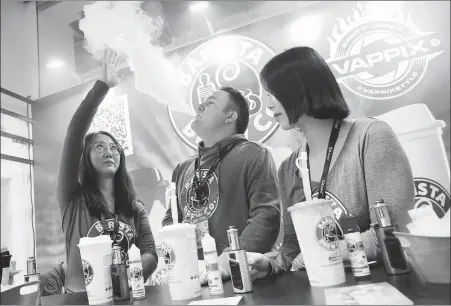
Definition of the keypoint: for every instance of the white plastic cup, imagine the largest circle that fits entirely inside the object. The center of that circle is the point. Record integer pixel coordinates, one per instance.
(96, 263)
(420, 136)
(178, 244)
(316, 231)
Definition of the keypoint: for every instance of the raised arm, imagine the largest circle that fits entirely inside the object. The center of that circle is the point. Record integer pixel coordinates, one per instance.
(263, 224)
(73, 143)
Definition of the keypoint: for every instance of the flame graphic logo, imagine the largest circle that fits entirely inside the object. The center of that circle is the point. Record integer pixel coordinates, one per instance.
(380, 58)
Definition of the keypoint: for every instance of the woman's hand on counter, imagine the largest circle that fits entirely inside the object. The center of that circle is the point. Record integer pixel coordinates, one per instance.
(258, 265)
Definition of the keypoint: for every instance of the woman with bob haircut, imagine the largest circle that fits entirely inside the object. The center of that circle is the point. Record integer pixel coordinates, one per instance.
(94, 191)
(366, 161)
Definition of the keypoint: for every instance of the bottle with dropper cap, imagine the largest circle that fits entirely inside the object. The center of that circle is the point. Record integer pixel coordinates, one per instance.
(211, 259)
(136, 273)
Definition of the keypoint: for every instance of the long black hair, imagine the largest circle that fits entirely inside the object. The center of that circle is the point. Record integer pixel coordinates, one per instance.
(124, 192)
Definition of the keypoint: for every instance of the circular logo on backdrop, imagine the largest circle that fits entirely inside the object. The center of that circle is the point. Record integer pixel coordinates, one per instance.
(326, 233)
(380, 57)
(194, 210)
(233, 61)
(168, 254)
(431, 193)
(88, 271)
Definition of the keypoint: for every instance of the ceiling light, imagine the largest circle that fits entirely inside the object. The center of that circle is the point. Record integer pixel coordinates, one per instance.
(55, 64)
(198, 6)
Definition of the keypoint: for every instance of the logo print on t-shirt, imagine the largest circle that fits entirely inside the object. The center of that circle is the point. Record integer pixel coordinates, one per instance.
(125, 237)
(339, 209)
(196, 211)
(431, 193)
(88, 271)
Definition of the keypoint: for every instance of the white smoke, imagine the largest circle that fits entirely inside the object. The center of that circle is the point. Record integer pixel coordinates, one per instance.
(125, 27)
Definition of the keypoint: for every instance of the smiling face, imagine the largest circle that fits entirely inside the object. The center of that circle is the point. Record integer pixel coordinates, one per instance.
(104, 155)
(211, 115)
(279, 113)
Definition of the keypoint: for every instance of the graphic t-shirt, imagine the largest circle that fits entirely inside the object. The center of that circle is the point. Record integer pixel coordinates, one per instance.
(241, 192)
(371, 166)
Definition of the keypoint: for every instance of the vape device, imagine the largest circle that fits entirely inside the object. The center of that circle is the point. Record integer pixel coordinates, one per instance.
(241, 279)
(393, 255)
(119, 277)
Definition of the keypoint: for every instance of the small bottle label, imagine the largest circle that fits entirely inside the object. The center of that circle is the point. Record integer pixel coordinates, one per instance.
(215, 282)
(357, 255)
(137, 280)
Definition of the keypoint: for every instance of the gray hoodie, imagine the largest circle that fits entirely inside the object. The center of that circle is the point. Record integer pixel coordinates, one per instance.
(243, 192)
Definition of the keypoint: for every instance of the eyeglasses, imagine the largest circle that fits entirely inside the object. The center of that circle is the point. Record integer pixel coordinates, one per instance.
(100, 147)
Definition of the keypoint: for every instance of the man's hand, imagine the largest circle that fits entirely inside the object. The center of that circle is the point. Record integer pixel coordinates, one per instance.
(109, 73)
(258, 265)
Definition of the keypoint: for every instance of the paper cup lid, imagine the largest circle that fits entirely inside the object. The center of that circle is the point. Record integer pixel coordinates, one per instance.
(419, 118)
(94, 240)
(176, 227)
(302, 205)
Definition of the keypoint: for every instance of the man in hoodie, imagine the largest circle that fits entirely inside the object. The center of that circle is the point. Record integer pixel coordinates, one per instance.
(231, 181)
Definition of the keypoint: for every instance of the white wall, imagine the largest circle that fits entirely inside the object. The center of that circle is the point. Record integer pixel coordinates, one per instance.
(19, 48)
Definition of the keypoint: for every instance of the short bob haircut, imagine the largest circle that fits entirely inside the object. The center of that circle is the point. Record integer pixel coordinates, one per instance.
(300, 79)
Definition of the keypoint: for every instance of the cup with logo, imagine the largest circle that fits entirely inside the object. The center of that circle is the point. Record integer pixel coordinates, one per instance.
(178, 244)
(317, 235)
(95, 256)
(421, 139)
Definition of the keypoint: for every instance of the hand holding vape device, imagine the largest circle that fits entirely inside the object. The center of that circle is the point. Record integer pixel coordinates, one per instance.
(392, 253)
(241, 278)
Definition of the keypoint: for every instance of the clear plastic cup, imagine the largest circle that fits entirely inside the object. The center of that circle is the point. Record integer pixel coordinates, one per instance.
(316, 231)
(95, 256)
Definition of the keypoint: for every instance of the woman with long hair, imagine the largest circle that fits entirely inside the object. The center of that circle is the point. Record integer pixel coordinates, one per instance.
(94, 191)
(353, 162)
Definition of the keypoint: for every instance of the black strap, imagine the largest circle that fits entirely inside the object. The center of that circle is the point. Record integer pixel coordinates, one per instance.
(116, 225)
(201, 182)
(330, 150)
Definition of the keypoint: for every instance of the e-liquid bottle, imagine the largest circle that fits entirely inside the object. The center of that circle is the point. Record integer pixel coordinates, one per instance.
(356, 249)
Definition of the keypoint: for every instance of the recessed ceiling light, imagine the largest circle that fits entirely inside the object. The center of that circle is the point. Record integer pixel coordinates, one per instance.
(55, 64)
(198, 6)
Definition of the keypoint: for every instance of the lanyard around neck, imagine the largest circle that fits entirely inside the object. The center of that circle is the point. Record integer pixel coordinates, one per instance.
(330, 150)
(116, 225)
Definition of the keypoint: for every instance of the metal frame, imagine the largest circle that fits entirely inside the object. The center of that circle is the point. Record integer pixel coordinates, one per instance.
(18, 138)
(17, 159)
(14, 95)
(16, 115)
